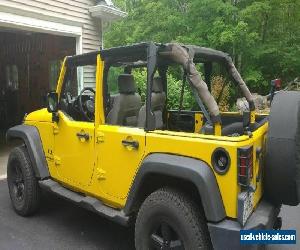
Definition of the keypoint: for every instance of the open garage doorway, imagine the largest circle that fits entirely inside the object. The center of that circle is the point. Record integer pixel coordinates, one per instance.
(29, 68)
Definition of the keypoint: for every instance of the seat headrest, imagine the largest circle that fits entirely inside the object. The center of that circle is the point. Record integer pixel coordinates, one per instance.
(126, 84)
(157, 85)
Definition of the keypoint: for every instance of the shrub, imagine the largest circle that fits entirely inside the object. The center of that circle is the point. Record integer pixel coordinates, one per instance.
(174, 91)
(219, 86)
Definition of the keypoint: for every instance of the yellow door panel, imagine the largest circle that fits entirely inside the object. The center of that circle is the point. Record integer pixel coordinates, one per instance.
(119, 152)
(74, 151)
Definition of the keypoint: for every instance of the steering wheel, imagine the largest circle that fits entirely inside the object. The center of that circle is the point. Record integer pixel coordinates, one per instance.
(87, 108)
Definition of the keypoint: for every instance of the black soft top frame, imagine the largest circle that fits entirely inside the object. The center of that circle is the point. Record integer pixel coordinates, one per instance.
(147, 54)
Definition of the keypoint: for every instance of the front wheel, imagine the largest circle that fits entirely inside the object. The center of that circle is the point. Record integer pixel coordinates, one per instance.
(22, 184)
(169, 219)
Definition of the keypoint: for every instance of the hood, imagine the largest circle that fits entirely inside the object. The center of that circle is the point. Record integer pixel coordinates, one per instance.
(41, 115)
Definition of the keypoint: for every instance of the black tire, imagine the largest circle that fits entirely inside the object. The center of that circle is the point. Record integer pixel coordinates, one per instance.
(23, 186)
(282, 163)
(171, 215)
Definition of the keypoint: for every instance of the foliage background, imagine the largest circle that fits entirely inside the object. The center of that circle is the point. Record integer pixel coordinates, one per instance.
(262, 36)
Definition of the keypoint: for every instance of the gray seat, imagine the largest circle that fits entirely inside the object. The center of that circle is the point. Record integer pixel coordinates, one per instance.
(158, 100)
(126, 104)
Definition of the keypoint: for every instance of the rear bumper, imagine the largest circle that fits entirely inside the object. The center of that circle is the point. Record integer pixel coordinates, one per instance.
(226, 234)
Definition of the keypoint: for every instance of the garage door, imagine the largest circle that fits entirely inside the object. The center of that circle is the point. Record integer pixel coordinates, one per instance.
(29, 67)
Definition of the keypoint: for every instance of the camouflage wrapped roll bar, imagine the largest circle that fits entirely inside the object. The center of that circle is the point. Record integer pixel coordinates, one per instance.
(179, 54)
(187, 56)
(201, 53)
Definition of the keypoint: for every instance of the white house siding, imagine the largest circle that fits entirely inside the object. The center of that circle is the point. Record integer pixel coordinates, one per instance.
(71, 12)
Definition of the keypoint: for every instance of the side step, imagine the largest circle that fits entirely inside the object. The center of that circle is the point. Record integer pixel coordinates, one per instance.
(86, 202)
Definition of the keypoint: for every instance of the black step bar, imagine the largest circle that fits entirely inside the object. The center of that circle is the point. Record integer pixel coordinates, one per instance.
(87, 202)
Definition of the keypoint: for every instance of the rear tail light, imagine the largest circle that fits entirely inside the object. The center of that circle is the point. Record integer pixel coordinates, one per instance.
(245, 165)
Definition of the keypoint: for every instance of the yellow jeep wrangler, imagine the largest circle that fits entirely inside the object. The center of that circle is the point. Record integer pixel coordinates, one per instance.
(187, 179)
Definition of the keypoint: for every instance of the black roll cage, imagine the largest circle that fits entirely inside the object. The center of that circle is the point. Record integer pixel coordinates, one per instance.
(147, 54)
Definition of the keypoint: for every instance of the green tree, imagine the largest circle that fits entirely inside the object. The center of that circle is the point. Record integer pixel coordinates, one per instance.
(262, 36)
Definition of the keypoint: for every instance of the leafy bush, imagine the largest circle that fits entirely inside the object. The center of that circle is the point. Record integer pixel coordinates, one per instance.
(174, 91)
(221, 90)
(140, 77)
(261, 36)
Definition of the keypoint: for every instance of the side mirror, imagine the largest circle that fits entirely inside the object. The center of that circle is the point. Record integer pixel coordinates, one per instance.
(52, 102)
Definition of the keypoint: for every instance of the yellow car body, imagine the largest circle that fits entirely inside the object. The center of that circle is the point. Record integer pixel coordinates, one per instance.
(101, 167)
(185, 178)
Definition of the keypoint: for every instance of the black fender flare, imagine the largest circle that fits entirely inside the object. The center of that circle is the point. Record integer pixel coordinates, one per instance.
(31, 137)
(188, 169)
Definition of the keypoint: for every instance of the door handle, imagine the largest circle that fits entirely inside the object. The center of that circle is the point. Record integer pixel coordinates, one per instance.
(133, 144)
(83, 136)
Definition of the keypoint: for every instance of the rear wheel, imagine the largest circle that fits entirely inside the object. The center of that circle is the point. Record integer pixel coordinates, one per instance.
(282, 169)
(168, 219)
(22, 184)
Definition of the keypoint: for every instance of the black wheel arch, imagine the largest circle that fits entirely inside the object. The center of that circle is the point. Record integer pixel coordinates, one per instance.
(32, 140)
(193, 172)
